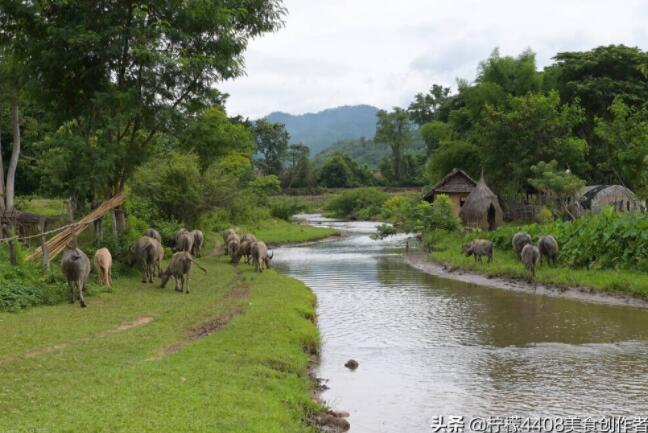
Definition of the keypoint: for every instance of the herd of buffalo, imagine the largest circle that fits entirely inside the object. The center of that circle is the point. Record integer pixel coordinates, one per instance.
(148, 252)
(529, 254)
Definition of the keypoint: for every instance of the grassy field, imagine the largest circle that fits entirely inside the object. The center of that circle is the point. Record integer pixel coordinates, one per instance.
(448, 252)
(277, 231)
(232, 356)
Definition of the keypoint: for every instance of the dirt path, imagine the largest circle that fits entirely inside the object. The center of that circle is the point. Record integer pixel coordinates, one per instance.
(136, 323)
(425, 264)
(235, 300)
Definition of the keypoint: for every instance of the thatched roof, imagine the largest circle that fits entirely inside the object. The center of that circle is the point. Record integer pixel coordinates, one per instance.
(457, 181)
(476, 208)
(596, 197)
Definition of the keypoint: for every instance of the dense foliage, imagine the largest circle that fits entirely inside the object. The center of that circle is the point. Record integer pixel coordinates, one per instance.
(360, 203)
(607, 240)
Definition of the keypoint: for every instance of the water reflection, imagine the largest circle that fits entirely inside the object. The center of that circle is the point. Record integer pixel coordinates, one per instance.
(429, 346)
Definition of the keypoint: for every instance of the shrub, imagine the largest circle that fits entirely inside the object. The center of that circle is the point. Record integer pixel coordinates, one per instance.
(361, 203)
(607, 240)
(285, 208)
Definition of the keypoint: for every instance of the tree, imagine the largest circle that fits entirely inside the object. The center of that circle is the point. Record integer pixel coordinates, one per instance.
(624, 139)
(453, 154)
(517, 76)
(340, 171)
(300, 172)
(211, 135)
(434, 133)
(124, 72)
(395, 129)
(559, 185)
(425, 106)
(271, 142)
(534, 128)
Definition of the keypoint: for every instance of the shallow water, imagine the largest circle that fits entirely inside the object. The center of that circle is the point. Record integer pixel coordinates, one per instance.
(433, 347)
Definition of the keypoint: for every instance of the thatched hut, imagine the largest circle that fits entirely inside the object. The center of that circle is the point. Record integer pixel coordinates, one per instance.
(596, 197)
(457, 185)
(481, 208)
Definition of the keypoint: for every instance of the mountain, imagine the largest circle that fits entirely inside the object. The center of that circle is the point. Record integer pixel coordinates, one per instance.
(363, 151)
(320, 130)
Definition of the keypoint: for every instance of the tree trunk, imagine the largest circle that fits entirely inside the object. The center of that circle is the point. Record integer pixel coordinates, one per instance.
(9, 231)
(15, 154)
(98, 225)
(2, 180)
(113, 221)
(397, 164)
(121, 219)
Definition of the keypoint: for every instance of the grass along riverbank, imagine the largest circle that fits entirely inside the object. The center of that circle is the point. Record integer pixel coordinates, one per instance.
(232, 356)
(447, 251)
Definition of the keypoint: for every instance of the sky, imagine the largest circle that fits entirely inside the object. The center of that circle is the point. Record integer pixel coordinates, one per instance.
(382, 52)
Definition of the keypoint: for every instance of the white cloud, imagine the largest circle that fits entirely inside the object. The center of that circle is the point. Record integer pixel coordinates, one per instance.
(382, 52)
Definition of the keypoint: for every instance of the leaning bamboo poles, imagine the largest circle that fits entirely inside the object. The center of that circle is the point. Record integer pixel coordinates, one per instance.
(58, 243)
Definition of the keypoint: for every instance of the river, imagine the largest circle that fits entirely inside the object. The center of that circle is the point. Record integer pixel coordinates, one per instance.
(435, 347)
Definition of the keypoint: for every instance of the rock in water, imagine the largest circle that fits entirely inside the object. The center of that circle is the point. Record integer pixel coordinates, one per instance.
(351, 364)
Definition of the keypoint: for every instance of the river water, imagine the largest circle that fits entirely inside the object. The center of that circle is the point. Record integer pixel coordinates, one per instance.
(431, 347)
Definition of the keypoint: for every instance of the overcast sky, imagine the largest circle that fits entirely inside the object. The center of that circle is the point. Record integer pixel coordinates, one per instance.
(382, 52)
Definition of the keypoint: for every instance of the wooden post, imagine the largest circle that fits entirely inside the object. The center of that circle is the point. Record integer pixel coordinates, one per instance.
(42, 226)
(10, 231)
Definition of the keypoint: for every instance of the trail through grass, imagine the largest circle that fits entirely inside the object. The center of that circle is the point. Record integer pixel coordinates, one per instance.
(232, 356)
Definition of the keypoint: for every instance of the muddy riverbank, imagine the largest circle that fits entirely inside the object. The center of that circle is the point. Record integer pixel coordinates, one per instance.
(425, 264)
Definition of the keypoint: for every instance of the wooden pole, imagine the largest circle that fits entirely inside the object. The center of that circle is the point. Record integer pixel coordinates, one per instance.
(43, 228)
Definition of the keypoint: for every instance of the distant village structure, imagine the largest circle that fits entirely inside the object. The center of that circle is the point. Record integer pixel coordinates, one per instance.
(457, 185)
(596, 197)
(481, 208)
(473, 202)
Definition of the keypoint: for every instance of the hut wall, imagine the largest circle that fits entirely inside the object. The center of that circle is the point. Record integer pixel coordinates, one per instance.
(457, 199)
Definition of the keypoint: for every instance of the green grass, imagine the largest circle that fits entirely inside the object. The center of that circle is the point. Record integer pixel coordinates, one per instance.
(448, 252)
(43, 206)
(277, 231)
(67, 369)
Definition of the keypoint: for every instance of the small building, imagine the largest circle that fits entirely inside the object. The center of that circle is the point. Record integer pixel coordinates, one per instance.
(457, 185)
(482, 208)
(596, 197)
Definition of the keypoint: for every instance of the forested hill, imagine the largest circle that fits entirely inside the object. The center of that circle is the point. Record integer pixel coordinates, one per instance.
(320, 130)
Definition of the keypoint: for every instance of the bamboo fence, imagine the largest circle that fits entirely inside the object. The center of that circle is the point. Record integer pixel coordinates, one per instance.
(58, 243)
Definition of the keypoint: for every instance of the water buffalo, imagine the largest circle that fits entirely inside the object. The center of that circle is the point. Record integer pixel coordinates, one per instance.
(148, 252)
(249, 237)
(520, 239)
(246, 250)
(180, 269)
(76, 268)
(103, 266)
(548, 248)
(260, 256)
(226, 234)
(530, 257)
(184, 242)
(152, 233)
(234, 248)
(479, 248)
(199, 241)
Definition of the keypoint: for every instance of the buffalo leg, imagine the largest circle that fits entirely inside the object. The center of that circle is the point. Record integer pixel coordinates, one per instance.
(81, 286)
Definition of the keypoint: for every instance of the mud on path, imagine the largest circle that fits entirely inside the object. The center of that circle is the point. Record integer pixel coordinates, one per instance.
(234, 304)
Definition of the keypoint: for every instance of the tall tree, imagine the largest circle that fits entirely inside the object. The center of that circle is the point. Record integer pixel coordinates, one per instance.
(271, 142)
(119, 73)
(624, 139)
(426, 105)
(535, 128)
(395, 129)
(211, 135)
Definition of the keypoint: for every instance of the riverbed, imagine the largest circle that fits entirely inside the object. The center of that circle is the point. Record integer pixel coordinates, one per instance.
(430, 347)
